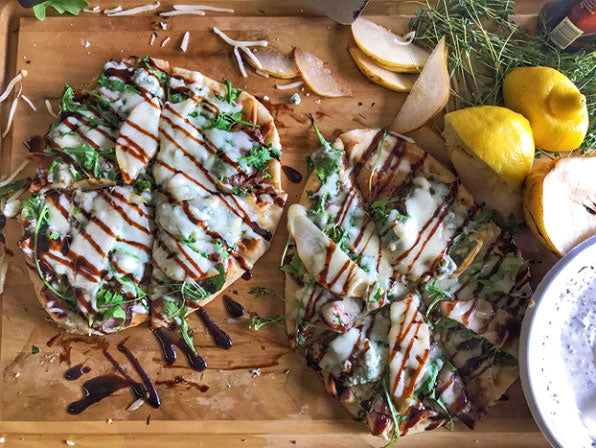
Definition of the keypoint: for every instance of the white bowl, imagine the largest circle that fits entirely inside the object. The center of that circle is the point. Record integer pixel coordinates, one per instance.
(551, 374)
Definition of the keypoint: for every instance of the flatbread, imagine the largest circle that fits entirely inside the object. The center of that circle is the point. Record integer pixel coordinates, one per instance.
(107, 220)
(439, 335)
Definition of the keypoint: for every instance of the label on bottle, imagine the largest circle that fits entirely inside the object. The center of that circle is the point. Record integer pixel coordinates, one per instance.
(565, 33)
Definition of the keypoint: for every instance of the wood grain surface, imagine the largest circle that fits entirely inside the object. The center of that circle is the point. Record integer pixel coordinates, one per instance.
(284, 406)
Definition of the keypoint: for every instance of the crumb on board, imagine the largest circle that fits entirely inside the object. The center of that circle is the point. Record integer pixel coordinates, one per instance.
(255, 372)
(69, 442)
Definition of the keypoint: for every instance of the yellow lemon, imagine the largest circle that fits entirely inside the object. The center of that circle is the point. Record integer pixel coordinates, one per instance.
(499, 137)
(555, 107)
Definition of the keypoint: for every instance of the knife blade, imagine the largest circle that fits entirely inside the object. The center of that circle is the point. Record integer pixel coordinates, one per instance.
(342, 11)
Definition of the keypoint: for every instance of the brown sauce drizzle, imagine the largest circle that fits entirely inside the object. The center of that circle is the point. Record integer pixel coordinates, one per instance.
(181, 380)
(75, 372)
(97, 389)
(293, 174)
(168, 351)
(220, 337)
(235, 309)
(247, 275)
(152, 396)
(37, 143)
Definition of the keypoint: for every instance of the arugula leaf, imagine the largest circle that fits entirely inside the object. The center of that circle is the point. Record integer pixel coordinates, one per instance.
(178, 97)
(259, 157)
(318, 203)
(219, 247)
(226, 120)
(427, 386)
(294, 267)
(380, 214)
(144, 182)
(397, 419)
(218, 280)
(34, 349)
(184, 330)
(51, 234)
(115, 84)
(261, 291)
(163, 78)
(325, 167)
(435, 295)
(239, 192)
(257, 322)
(31, 207)
(232, 94)
(61, 6)
(67, 102)
(88, 159)
(14, 186)
(339, 236)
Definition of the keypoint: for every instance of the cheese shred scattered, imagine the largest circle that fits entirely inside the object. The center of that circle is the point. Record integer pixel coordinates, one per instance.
(292, 85)
(133, 11)
(251, 56)
(29, 102)
(165, 42)
(184, 43)
(260, 73)
(13, 108)
(240, 62)
(10, 178)
(404, 137)
(94, 10)
(152, 39)
(51, 109)
(192, 12)
(202, 7)
(112, 10)
(11, 85)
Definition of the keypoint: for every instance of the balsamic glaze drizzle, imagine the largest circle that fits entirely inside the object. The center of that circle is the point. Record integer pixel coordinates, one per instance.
(220, 337)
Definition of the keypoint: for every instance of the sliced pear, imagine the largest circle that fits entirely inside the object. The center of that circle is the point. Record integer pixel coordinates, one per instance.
(318, 78)
(432, 142)
(560, 202)
(380, 44)
(429, 94)
(485, 185)
(274, 63)
(401, 82)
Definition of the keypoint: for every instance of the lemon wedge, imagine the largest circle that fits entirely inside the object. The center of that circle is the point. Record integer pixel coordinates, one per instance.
(556, 109)
(492, 150)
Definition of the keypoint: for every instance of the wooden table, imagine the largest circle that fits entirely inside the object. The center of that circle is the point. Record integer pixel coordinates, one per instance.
(278, 408)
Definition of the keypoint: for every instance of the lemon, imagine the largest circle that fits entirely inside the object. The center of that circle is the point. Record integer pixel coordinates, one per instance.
(554, 106)
(499, 137)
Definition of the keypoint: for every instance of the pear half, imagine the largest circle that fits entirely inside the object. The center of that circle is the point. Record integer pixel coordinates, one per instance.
(560, 202)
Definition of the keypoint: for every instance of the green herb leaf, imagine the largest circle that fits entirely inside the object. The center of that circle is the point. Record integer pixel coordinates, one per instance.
(256, 322)
(261, 291)
(34, 349)
(232, 94)
(115, 84)
(435, 295)
(61, 6)
(258, 157)
(380, 214)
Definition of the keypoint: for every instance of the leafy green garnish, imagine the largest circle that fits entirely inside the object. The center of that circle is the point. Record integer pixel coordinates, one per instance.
(67, 104)
(259, 157)
(221, 249)
(435, 295)
(34, 349)
(294, 267)
(380, 214)
(339, 236)
(318, 203)
(61, 6)
(432, 371)
(261, 291)
(115, 84)
(144, 182)
(232, 93)
(226, 120)
(161, 76)
(397, 419)
(31, 207)
(239, 192)
(89, 159)
(178, 97)
(256, 322)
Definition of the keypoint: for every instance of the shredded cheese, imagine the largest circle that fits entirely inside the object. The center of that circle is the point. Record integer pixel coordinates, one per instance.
(133, 11)
(11, 85)
(153, 37)
(12, 205)
(184, 43)
(163, 25)
(404, 137)
(203, 7)
(239, 43)
(10, 178)
(113, 10)
(165, 42)
(193, 12)
(406, 39)
(292, 85)
(29, 102)
(3, 269)
(251, 56)
(95, 9)
(51, 109)
(260, 73)
(136, 404)
(240, 62)
(13, 108)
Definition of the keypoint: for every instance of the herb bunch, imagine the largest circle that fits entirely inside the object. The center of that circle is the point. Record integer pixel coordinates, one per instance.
(486, 44)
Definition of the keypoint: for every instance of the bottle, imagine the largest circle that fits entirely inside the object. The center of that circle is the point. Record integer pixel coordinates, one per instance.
(570, 23)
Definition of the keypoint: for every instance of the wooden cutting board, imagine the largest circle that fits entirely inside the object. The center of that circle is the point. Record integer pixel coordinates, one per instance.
(226, 405)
